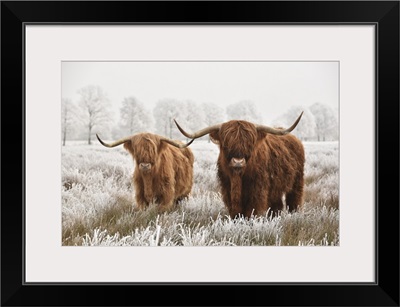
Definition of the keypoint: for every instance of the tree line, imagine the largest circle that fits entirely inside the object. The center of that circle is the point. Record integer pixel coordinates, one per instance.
(92, 113)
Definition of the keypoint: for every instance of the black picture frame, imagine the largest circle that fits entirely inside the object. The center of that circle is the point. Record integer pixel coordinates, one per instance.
(383, 14)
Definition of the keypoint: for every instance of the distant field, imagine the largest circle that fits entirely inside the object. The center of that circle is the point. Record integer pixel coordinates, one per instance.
(98, 205)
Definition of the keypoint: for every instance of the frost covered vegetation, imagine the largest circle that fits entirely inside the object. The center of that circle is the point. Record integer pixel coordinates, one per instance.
(98, 204)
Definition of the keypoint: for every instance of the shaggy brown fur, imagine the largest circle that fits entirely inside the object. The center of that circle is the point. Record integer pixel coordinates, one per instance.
(163, 173)
(273, 167)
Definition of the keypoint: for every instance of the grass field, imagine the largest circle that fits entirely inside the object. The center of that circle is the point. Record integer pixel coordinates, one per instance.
(98, 204)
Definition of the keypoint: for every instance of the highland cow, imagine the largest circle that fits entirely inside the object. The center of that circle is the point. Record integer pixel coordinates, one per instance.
(163, 171)
(258, 167)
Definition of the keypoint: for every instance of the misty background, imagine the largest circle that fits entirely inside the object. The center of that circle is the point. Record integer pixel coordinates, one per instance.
(117, 99)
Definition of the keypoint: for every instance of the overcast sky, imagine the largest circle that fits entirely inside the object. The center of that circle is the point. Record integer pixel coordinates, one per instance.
(273, 86)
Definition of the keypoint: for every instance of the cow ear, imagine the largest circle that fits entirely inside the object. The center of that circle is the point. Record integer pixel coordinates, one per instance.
(128, 146)
(162, 146)
(214, 140)
(261, 134)
(214, 137)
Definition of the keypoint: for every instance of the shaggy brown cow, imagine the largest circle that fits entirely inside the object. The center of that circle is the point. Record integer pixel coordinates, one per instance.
(163, 171)
(257, 166)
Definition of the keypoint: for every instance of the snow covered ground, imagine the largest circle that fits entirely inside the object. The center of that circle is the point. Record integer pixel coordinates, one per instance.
(98, 203)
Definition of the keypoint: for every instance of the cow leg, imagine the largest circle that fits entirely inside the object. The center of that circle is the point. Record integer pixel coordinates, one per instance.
(235, 196)
(142, 187)
(249, 211)
(233, 210)
(167, 200)
(276, 206)
(255, 200)
(226, 198)
(294, 198)
(141, 201)
(225, 185)
(182, 197)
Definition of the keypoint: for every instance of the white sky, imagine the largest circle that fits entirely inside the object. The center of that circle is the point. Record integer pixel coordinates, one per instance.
(272, 86)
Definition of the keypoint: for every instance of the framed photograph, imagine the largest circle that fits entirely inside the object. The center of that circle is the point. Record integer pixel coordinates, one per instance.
(241, 153)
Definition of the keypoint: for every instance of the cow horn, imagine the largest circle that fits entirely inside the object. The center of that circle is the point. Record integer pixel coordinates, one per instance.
(116, 143)
(199, 133)
(174, 143)
(279, 131)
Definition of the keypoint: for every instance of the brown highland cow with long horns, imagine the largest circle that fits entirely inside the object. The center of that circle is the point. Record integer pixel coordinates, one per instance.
(257, 166)
(163, 171)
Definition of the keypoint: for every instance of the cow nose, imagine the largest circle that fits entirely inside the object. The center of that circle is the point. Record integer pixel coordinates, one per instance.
(144, 166)
(238, 162)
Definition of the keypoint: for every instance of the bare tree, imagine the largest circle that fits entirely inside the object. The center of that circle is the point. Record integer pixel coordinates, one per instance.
(193, 115)
(68, 118)
(95, 109)
(326, 121)
(165, 112)
(213, 114)
(243, 110)
(134, 117)
(305, 130)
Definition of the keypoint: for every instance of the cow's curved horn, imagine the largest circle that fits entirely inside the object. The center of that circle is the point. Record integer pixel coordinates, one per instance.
(116, 143)
(174, 143)
(199, 133)
(279, 131)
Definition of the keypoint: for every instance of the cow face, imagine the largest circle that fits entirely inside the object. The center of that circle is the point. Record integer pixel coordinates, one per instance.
(237, 140)
(145, 150)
